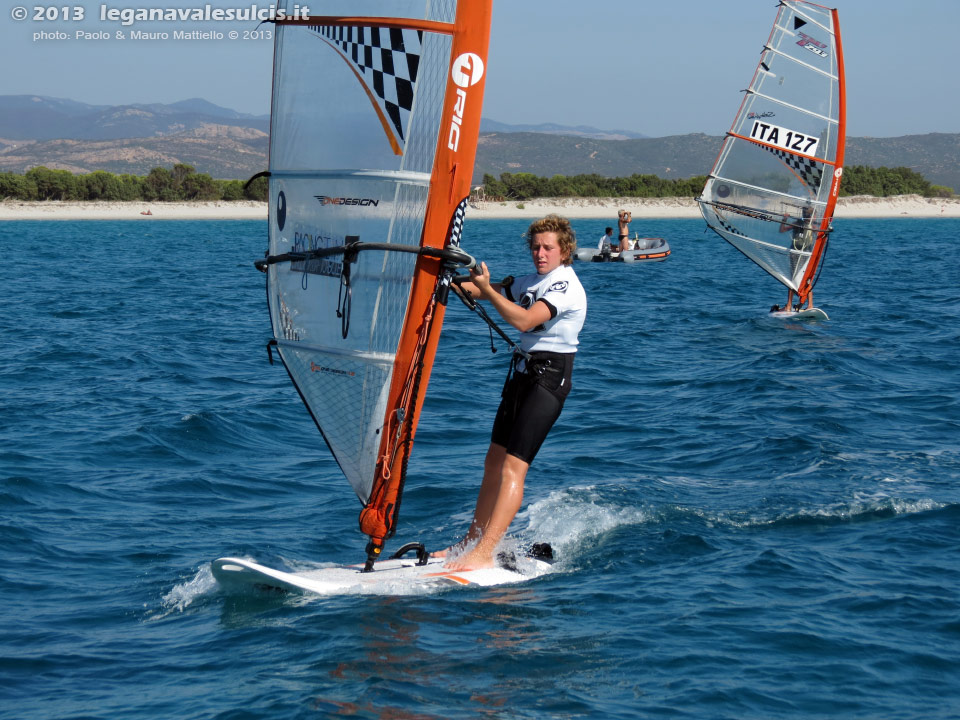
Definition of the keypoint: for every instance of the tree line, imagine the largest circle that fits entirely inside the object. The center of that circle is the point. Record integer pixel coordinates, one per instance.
(180, 183)
(884, 182)
(526, 186)
(184, 183)
(857, 180)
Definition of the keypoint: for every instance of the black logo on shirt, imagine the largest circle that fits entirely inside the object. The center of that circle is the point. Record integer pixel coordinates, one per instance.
(559, 286)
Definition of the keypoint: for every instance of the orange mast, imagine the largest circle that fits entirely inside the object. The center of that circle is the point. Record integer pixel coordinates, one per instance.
(449, 189)
(820, 246)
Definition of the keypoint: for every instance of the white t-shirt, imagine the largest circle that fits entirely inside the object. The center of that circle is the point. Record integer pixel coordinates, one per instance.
(564, 295)
(604, 240)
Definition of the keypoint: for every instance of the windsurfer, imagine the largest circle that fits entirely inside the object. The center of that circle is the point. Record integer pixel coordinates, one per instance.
(623, 221)
(802, 241)
(548, 308)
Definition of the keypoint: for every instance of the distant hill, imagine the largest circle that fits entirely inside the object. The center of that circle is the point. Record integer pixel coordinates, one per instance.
(69, 135)
(677, 156)
(936, 156)
(223, 151)
(65, 134)
(493, 126)
(34, 117)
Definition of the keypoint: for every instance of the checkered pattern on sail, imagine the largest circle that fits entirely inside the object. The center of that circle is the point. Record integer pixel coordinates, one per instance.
(808, 170)
(388, 60)
(456, 229)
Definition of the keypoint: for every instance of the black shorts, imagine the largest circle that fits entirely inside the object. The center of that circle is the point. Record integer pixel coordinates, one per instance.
(532, 401)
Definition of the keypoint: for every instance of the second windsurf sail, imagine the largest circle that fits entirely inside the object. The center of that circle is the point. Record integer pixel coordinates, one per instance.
(773, 188)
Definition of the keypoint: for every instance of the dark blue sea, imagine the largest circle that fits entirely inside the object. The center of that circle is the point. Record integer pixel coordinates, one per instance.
(753, 518)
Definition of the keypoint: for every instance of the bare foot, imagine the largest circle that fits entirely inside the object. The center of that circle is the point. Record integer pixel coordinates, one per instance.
(470, 561)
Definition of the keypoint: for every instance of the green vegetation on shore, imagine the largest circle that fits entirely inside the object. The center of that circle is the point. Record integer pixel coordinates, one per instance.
(857, 180)
(885, 182)
(526, 186)
(182, 183)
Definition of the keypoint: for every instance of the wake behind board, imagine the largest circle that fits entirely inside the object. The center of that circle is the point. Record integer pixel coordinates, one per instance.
(809, 313)
(388, 577)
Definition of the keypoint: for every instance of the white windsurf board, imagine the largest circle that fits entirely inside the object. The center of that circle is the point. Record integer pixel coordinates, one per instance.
(811, 313)
(395, 576)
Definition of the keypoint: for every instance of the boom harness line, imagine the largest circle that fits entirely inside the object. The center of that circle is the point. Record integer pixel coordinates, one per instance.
(467, 299)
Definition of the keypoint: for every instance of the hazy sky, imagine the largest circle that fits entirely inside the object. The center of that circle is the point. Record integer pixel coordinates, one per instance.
(659, 68)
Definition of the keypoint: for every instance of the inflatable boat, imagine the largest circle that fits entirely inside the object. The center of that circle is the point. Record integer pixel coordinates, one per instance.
(642, 250)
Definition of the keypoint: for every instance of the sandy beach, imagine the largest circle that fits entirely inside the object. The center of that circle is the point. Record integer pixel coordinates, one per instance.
(587, 208)
(121, 210)
(606, 208)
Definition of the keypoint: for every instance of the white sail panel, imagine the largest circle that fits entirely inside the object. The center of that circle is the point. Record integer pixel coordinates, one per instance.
(343, 380)
(769, 193)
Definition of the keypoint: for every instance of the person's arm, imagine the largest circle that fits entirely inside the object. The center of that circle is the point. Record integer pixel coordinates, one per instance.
(473, 290)
(784, 225)
(523, 319)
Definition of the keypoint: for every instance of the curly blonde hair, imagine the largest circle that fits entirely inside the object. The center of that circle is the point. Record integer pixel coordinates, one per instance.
(566, 237)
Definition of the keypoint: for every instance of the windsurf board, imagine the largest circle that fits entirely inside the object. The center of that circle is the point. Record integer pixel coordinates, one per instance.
(811, 313)
(394, 576)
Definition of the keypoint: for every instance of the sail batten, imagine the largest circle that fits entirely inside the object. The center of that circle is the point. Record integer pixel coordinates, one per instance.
(813, 68)
(773, 187)
(383, 358)
(805, 111)
(755, 188)
(361, 231)
(405, 176)
(371, 21)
